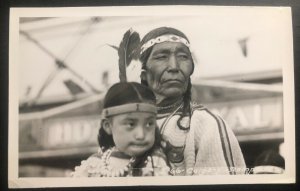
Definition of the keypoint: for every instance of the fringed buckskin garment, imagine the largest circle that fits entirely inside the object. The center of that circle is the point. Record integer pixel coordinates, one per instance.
(206, 147)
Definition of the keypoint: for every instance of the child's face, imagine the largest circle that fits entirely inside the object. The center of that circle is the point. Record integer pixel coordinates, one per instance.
(133, 133)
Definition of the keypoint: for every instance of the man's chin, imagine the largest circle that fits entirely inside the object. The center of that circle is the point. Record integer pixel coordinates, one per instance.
(173, 92)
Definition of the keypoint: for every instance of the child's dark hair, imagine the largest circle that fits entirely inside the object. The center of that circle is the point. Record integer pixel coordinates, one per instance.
(126, 93)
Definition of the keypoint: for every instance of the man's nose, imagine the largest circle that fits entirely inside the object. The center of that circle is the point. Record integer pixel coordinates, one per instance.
(139, 133)
(173, 64)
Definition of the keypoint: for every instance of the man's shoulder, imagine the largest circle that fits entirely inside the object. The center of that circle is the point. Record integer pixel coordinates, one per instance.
(200, 110)
(196, 106)
(202, 115)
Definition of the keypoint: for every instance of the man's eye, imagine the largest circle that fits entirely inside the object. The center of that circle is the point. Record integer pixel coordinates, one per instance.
(160, 57)
(183, 56)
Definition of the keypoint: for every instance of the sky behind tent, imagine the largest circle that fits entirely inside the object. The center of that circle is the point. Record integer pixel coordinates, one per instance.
(218, 39)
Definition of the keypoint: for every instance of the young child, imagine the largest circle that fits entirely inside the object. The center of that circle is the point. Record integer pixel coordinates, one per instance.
(128, 137)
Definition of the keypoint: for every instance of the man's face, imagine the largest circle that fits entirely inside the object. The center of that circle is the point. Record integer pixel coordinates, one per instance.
(168, 69)
(133, 133)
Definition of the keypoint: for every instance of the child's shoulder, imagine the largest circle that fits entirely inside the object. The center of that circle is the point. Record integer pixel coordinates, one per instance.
(87, 167)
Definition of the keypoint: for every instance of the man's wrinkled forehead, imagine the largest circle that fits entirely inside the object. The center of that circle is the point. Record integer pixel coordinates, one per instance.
(170, 47)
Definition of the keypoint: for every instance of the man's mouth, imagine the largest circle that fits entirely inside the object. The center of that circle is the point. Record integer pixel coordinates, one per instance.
(172, 80)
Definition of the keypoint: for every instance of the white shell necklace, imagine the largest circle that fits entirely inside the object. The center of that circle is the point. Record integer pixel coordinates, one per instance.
(107, 170)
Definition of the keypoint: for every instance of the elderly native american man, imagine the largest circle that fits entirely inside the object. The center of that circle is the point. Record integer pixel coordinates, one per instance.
(195, 140)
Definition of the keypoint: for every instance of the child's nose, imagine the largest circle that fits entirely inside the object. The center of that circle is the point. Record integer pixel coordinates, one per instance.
(140, 133)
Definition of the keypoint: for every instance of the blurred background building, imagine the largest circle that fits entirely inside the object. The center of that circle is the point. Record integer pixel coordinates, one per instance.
(67, 64)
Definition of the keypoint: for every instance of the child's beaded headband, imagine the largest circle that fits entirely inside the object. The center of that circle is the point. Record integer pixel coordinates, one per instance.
(164, 38)
(130, 107)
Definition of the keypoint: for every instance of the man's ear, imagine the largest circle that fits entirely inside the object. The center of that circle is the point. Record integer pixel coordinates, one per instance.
(143, 75)
(106, 124)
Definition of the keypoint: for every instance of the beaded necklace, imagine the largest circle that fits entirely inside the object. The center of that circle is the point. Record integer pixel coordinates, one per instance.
(107, 170)
(163, 108)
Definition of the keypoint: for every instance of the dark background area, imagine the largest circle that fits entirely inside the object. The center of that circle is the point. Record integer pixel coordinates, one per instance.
(4, 42)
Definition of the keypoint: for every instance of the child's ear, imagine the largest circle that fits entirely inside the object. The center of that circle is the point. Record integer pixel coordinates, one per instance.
(107, 126)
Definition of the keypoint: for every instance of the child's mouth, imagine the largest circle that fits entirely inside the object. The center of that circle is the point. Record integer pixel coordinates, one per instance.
(139, 145)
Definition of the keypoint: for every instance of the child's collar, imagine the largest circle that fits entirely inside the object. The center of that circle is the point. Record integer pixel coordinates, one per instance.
(119, 154)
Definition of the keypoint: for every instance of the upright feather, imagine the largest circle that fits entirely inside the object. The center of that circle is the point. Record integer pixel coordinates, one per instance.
(127, 51)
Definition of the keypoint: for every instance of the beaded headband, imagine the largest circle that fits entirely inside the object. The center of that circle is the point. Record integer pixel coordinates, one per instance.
(131, 107)
(164, 38)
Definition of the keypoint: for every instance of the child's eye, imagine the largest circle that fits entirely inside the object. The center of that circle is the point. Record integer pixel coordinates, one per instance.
(150, 124)
(129, 124)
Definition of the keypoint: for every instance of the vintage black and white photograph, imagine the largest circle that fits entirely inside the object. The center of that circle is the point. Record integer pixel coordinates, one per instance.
(107, 96)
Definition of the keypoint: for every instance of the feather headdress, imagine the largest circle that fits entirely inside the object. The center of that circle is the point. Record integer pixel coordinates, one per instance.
(128, 51)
